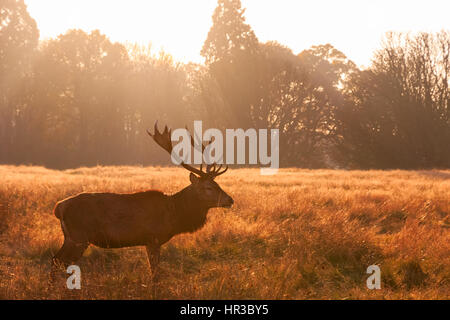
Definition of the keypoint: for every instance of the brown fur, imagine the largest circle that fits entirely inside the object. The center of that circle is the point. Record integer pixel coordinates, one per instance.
(150, 218)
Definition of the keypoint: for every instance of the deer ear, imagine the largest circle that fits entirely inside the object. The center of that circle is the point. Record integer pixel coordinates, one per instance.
(194, 179)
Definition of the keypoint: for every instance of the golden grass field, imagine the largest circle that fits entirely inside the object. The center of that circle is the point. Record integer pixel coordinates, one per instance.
(301, 234)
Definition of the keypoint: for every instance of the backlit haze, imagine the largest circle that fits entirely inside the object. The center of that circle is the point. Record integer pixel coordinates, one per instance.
(180, 27)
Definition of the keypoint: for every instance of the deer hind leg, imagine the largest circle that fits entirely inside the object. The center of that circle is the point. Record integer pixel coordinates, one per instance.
(70, 252)
(72, 249)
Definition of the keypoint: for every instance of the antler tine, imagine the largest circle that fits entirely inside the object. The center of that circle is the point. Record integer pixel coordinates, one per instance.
(223, 171)
(213, 172)
(203, 147)
(155, 130)
(193, 170)
(210, 168)
(196, 137)
(217, 173)
(192, 138)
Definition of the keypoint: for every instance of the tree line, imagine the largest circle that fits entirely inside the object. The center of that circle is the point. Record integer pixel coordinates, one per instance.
(82, 100)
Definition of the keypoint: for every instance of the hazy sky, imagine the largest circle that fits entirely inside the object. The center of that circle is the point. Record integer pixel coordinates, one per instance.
(181, 26)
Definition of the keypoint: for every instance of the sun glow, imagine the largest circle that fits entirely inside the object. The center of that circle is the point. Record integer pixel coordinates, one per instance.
(180, 27)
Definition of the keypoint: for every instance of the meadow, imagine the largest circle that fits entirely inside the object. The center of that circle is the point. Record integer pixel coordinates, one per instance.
(301, 234)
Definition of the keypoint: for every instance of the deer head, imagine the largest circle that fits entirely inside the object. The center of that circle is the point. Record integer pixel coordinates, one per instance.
(208, 192)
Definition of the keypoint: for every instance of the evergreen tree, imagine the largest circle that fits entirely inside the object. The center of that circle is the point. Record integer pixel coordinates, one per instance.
(230, 35)
(231, 52)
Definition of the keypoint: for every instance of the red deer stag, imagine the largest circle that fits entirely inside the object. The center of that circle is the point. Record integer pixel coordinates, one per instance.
(151, 218)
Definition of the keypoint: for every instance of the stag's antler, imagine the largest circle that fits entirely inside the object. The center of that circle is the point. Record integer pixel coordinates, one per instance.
(164, 141)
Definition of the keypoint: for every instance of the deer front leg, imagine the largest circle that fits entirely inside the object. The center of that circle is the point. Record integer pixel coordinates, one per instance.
(153, 252)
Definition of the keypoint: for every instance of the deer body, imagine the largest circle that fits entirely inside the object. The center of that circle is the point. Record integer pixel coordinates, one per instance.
(110, 220)
(151, 218)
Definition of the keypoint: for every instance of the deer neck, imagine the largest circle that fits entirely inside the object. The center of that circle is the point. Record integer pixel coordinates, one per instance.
(190, 212)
